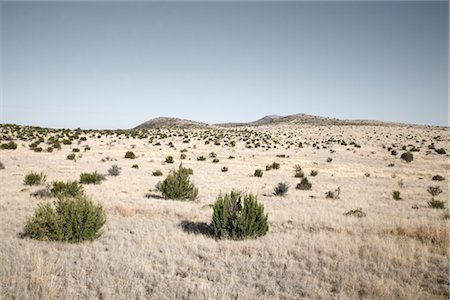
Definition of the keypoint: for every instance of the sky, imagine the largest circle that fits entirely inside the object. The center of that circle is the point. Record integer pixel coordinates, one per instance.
(109, 65)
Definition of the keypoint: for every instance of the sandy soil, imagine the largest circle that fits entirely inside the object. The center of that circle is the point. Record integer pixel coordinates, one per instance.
(156, 248)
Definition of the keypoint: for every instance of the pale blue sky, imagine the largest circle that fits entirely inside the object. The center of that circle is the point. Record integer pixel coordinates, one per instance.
(115, 65)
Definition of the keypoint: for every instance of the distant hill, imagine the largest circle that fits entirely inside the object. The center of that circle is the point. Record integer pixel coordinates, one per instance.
(164, 122)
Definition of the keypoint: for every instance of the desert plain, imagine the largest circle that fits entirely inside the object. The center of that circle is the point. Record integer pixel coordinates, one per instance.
(156, 248)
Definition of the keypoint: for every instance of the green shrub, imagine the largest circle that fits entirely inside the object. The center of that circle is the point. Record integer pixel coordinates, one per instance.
(236, 220)
(177, 185)
(9, 146)
(75, 150)
(73, 219)
(182, 156)
(275, 166)
(407, 156)
(135, 166)
(114, 170)
(157, 173)
(440, 151)
(314, 173)
(224, 169)
(91, 178)
(212, 155)
(434, 190)
(258, 173)
(281, 189)
(215, 160)
(130, 155)
(231, 157)
(37, 149)
(34, 178)
(396, 195)
(304, 184)
(333, 195)
(436, 204)
(438, 178)
(201, 158)
(71, 156)
(50, 149)
(329, 159)
(169, 160)
(69, 188)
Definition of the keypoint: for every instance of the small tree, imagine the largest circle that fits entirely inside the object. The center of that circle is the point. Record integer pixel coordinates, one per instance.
(177, 185)
(236, 220)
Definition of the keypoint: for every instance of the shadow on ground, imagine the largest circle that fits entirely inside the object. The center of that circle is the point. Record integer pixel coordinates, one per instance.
(196, 227)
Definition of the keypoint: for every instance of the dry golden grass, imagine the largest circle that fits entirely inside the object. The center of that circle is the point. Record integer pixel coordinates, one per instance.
(161, 249)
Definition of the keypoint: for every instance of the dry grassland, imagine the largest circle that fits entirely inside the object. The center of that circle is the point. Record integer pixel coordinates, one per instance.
(161, 249)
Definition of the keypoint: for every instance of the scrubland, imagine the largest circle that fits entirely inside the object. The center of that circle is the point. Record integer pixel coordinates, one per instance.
(158, 248)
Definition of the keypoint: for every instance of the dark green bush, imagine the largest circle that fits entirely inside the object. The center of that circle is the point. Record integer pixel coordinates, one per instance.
(275, 166)
(69, 188)
(34, 178)
(314, 173)
(436, 204)
(329, 159)
(50, 149)
(37, 149)
(9, 146)
(304, 184)
(281, 189)
(236, 220)
(407, 156)
(434, 190)
(440, 151)
(72, 219)
(396, 195)
(258, 173)
(135, 166)
(438, 178)
(201, 158)
(182, 156)
(169, 160)
(177, 185)
(130, 155)
(157, 173)
(215, 160)
(71, 156)
(333, 194)
(224, 169)
(75, 150)
(212, 155)
(91, 178)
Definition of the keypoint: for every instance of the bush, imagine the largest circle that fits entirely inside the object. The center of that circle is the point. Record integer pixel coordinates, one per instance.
(135, 166)
(73, 219)
(275, 166)
(440, 151)
(434, 190)
(71, 156)
(69, 188)
(212, 155)
(34, 178)
(215, 160)
(236, 220)
(329, 159)
(407, 156)
(169, 160)
(224, 169)
(75, 150)
(157, 173)
(91, 178)
(298, 171)
(396, 195)
(438, 178)
(38, 149)
(436, 204)
(314, 173)
(281, 189)
(114, 170)
(2, 166)
(258, 173)
(178, 186)
(182, 156)
(130, 155)
(333, 195)
(201, 158)
(49, 149)
(304, 185)
(9, 146)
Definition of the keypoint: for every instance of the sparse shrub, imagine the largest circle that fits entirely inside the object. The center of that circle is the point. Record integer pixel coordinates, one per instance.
(281, 189)
(215, 160)
(434, 190)
(114, 170)
(157, 173)
(231, 157)
(50, 149)
(183, 156)
(9, 146)
(440, 151)
(91, 178)
(433, 203)
(130, 155)
(298, 171)
(329, 159)
(212, 155)
(258, 173)
(201, 158)
(314, 173)
(34, 178)
(438, 178)
(396, 195)
(304, 185)
(177, 185)
(71, 156)
(224, 169)
(72, 219)
(333, 195)
(75, 150)
(268, 167)
(135, 166)
(169, 159)
(275, 165)
(236, 220)
(38, 149)
(356, 213)
(69, 188)
(407, 156)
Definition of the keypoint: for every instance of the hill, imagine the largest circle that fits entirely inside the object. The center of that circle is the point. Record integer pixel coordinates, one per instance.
(165, 122)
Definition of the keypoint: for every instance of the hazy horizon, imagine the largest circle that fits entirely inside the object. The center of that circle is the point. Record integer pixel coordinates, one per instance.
(110, 65)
